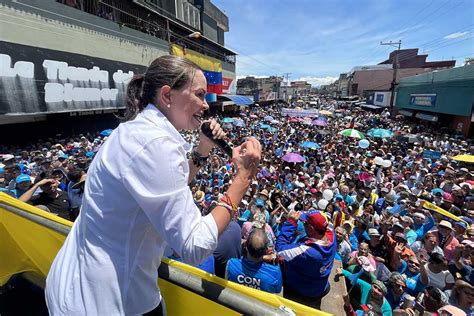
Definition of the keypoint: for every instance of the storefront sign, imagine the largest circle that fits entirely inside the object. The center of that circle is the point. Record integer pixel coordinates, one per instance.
(423, 99)
(226, 84)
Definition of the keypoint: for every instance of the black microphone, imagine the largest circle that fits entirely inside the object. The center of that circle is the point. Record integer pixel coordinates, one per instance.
(206, 130)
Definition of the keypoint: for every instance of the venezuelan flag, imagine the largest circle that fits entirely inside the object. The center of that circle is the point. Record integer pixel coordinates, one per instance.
(211, 67)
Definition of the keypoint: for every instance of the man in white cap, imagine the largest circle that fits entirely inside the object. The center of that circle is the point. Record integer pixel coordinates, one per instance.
(423, 223)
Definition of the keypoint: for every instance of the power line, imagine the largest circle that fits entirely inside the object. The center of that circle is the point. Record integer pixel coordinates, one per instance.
(443, 38)
(453, 43)
(424, 18)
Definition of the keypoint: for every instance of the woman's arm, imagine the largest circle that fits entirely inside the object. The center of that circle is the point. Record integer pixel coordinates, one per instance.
(204, 148)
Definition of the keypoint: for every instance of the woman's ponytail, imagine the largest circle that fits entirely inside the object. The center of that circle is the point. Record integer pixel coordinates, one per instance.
(135, 102)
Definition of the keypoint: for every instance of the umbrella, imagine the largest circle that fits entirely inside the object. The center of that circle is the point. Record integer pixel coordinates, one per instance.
(268, 118)
(264, 126)
(410, 138)
(380, 133)
(253, 116)
(293, 157)
(293, 120)
(239, 123)
(272, 129)
(464, 158)
(319, 122)
(348, 117)
(352, 133)
(324, 112)
(310, 145)
(227, 120)
(275, 122)
(106, 132)
(364, 176)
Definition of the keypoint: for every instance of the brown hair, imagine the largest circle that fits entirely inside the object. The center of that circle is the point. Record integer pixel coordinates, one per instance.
(169, 70)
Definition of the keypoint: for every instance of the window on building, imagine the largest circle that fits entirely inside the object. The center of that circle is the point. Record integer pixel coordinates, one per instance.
(188, 13)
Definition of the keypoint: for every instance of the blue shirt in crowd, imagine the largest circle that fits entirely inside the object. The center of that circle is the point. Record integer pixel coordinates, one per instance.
(257, 275)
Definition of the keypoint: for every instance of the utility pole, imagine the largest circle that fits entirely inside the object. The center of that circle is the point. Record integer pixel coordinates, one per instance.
(395, 68)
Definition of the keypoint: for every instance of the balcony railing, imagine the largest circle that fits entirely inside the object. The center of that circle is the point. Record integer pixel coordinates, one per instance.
(128, 14)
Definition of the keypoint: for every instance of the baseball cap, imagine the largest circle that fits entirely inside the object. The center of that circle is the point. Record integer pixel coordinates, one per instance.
(399, 225)
(381, 286)
(373, 232)
(461, 224)
(22, 178)
(419, 215)
(316, 219)
(390, 198)
(407, 219)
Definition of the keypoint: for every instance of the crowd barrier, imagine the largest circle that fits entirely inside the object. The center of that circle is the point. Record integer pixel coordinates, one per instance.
(30, 239)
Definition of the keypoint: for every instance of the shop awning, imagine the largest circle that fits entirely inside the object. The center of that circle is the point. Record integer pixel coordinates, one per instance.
(237, 99)
(427, 117)
(406, 113)
(370, 106)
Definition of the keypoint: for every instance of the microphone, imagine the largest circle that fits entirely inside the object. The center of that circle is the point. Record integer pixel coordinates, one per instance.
(206, 130)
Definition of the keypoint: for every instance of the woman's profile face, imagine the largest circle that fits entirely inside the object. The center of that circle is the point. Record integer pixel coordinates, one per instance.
(188, 103)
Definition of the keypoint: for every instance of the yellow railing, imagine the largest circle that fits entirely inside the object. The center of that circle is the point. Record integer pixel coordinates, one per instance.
(30, 239)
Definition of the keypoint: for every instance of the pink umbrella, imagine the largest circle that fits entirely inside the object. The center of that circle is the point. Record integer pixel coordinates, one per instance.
(293, 157)
(364, 176)
(319, 122)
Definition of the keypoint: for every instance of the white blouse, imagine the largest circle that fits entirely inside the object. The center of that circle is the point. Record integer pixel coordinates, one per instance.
(136, 202)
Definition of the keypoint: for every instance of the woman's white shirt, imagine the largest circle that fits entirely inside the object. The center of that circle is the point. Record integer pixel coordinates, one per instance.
(136, 202)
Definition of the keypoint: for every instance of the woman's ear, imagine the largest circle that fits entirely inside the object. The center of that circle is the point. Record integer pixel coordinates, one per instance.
(164, 96)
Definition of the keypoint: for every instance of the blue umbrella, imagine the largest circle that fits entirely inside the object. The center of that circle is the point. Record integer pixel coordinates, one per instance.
(264, 126)
(272, 129)
(239, 123)
(380, 133)
(310, 145)
(227, 120)
(106, 132)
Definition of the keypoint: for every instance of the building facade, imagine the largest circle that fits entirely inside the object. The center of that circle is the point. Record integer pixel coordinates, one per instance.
(262, 89)
(445, 97)
(77, 56)
(365, 80)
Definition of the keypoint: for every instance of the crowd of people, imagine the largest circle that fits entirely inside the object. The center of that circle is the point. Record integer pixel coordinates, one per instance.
(373, 207)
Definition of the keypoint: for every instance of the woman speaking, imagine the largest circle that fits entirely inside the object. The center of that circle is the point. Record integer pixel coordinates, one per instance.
(137, 201)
